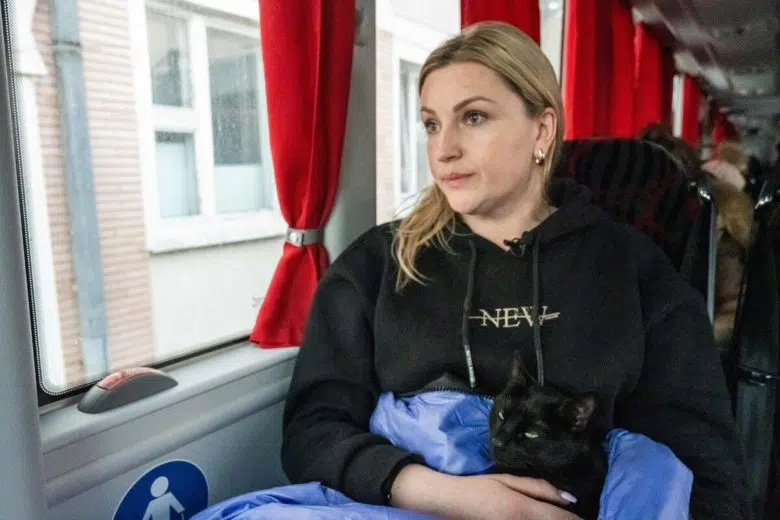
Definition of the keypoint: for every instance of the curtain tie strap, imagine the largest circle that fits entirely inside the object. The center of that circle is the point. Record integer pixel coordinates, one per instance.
(303, 237)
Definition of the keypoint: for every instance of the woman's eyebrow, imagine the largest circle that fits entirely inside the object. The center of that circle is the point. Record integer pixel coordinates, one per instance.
(460, 104)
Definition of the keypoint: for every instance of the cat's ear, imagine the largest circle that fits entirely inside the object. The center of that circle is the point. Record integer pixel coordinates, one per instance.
(520, 376)
(581, 410)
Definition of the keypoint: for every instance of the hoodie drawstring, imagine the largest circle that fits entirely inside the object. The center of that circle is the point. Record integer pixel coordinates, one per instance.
(535, 318)
(467, 312)
(537, 326)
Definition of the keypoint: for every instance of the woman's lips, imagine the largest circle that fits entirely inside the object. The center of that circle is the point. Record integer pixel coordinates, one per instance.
(455, 179)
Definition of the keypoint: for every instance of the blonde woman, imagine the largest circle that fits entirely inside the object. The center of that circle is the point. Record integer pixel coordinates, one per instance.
(497, 257)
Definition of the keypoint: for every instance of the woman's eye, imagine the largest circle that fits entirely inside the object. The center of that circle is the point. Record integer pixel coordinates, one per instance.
(430, 126)
(474, 118)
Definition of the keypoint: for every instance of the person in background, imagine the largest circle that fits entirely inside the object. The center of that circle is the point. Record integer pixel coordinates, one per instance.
(731, 164)
(735, 219)
(661, 134)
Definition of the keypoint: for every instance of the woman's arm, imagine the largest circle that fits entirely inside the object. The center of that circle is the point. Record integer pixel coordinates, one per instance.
(332, 395)
(681, 399)
(488, 497)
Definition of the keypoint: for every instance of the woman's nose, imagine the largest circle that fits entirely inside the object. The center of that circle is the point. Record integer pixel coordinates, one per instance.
(448, 146)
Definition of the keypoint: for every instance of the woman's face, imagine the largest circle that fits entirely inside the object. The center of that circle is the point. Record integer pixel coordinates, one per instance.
(481, 141)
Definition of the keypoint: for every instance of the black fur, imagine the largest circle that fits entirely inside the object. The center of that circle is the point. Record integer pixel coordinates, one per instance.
(542, 432)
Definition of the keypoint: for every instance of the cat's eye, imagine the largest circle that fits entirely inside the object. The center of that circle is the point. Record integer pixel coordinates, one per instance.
(531, 435)
(501, 416)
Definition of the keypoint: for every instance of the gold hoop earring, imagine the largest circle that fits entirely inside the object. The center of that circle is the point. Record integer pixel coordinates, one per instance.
(539, 157)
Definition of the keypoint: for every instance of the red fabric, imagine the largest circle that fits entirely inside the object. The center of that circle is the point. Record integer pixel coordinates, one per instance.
(523, 14)
(307, 59)
(598, 69)
(653, 80)
(667, 86)
(722, 129)
(580, 76)
(622, 103)
(691, 107)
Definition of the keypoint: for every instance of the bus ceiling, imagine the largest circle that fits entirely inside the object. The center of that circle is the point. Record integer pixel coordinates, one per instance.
(732, 47)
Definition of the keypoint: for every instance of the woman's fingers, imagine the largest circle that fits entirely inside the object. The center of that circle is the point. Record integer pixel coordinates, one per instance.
(536, 488)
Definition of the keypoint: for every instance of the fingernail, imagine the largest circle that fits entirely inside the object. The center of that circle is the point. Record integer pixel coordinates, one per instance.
(568, 497)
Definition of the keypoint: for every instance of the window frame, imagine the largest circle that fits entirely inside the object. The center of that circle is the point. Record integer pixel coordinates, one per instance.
(404, 50)
(207, 228)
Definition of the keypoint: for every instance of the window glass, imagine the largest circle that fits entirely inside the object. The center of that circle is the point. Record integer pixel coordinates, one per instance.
(551, 33)
(176, 177)
(414, 164)
(235, 122)
(155, 234)
(169, 59)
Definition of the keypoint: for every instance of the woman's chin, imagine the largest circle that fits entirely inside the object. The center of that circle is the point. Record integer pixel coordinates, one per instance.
(463, 205)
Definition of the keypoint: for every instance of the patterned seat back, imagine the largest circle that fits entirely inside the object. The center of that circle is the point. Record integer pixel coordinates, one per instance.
(641, 184)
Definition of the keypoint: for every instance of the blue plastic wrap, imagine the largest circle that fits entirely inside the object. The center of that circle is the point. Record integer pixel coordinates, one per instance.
(645, 480)
(311, 501)
(448, 429)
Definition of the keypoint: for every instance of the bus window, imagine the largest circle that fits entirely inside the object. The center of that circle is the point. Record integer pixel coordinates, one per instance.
(150, 204)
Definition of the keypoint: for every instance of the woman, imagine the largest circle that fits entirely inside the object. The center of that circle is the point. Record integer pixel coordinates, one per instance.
(455, 288)
(661, 134)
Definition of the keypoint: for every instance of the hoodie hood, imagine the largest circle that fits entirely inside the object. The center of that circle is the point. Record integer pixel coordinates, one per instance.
(575, 211)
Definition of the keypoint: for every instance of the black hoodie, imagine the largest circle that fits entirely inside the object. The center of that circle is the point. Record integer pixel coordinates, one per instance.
(615, 317)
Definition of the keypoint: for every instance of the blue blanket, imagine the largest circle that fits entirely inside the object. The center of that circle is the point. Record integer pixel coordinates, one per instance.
(450, 430)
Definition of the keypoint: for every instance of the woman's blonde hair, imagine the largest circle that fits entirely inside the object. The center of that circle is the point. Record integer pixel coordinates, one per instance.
(520, 62)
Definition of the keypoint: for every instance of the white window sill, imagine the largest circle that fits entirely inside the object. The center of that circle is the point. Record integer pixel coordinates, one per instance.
(178, 234)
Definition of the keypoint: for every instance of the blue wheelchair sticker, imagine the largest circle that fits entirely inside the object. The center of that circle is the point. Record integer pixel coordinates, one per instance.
(174, 490)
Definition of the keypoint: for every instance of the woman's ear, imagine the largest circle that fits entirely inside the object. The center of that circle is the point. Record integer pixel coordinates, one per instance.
(548, 125)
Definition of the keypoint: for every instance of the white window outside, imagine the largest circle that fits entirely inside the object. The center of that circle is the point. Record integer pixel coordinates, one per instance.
(208, 169)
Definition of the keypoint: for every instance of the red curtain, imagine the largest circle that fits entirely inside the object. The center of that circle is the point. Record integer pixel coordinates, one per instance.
(598, 69)
(667, 86)
(523, 14)
(621, 104)
(581, 26)
(691, 108)
(653, 80)
(722, 129)
(307, 58)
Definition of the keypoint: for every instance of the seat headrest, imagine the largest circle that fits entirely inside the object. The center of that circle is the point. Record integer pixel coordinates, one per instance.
(638, 183)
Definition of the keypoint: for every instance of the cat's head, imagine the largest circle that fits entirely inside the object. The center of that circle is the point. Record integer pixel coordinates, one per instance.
(538, 427)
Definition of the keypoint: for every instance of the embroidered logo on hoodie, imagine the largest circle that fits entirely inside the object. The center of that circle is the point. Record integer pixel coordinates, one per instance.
(511, 317)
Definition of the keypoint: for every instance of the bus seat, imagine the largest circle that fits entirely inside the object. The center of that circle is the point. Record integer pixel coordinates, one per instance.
(754, 368)
(639, 183)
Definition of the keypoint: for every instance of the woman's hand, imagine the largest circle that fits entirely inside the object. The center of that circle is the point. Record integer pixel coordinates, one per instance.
(489, 497)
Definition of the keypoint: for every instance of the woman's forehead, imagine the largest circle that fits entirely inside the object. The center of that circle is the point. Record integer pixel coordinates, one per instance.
(449, 85)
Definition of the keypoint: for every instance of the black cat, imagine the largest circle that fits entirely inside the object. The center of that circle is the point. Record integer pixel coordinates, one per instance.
(539, 431)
